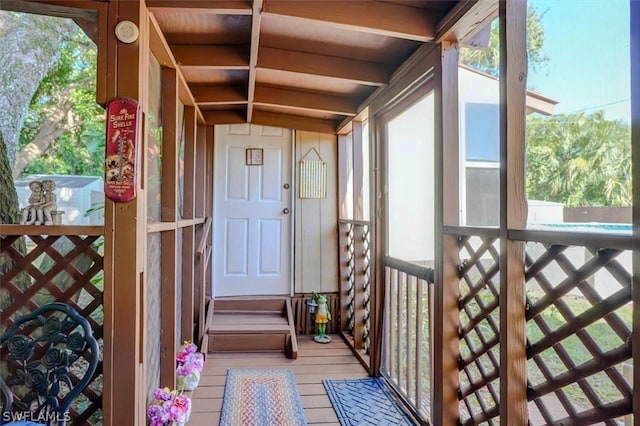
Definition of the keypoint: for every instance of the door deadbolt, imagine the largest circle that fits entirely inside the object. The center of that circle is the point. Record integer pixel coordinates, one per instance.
(285, 211)
(285, 186)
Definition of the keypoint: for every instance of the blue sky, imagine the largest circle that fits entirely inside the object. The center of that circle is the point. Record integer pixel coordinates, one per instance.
(587, 42)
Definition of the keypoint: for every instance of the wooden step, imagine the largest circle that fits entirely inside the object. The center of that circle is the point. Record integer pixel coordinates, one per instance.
(252, 325)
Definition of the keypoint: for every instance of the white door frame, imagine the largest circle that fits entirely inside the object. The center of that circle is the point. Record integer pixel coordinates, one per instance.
(292, 213)
(292, 200)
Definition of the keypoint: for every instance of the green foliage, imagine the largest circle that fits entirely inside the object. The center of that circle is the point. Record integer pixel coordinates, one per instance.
(81, 149)
(579, 160)
(488, 60)
(574, 159)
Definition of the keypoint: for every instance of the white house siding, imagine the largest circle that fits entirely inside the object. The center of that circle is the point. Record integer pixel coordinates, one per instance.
(316, 239)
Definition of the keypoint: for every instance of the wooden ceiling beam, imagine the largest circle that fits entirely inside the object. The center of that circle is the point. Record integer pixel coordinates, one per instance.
(161, 50)
(388, 19)
(231, 116)
(305, 101)
(210, 7)
(465, 20)
(253, 58)
(83, 9)
(366, 73)
(90, 28)
(219, 95)
(225, 57)
(297, 122)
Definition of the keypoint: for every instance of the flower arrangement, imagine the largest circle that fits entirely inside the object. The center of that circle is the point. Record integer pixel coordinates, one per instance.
(190, 363)
(169, 408)
(188, 354)
(172, 407)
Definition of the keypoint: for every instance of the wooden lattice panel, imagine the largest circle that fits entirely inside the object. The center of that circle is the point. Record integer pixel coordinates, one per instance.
(479, 361)
(578, 334)
(366, 284)
(350, 249)
(36, 270)
(355, 277)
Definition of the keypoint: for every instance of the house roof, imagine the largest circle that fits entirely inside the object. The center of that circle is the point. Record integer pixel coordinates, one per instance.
(535, 101)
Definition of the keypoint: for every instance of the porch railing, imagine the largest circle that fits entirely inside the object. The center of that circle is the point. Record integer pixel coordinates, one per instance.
(479, 331)
(578, 312)
(355, 284)
(406, 332)
(66, 265)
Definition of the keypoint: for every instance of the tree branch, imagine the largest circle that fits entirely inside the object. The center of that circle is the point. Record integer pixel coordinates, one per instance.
(52, 127)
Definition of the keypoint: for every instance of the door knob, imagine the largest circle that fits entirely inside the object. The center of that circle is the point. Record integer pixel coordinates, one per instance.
(285, 211)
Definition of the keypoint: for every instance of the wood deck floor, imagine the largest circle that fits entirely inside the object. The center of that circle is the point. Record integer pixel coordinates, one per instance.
(315, 362)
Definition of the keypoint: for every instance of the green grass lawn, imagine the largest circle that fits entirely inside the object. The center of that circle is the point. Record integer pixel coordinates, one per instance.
(599, 331)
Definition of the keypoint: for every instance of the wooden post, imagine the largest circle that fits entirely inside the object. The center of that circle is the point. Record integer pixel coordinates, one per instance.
(345, 164)
(208, 287)
(635, 165)
(169, 340)
(377, 302)
(377, 248)
(345, 153)
(105, 53)
(513, 211)
(124, 396)
(188, 232)
(446, 316)
(358, 171)
(200, 212)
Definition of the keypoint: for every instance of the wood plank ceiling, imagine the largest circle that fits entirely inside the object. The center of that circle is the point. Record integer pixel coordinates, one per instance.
(301, 64)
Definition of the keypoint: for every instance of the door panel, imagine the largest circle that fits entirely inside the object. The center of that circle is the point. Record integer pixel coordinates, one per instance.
(236, 247)
(269, 245)
(271, 176)
(252, 232)
(237, 187)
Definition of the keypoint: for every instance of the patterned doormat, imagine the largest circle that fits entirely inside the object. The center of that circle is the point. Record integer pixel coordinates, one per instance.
(261, 397)
(364, 402)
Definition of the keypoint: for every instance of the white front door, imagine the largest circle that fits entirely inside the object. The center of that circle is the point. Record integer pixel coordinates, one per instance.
(252, 211)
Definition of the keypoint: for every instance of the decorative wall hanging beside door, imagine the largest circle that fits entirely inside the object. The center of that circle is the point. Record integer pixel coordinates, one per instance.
(313, 175)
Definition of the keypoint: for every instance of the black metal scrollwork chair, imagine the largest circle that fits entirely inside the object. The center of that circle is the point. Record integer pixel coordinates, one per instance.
(51, 356)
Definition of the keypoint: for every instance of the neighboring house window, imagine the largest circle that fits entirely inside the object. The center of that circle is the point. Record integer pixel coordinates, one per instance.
(482, 165)
(482, 132)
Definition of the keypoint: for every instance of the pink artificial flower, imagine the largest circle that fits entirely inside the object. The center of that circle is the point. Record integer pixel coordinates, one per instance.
(169, 407)
(198, 359)
(179, 409)
(185, 369)
(153, 413)
(162, 394)
(182, 404)
(185, 352)
(182, 357)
